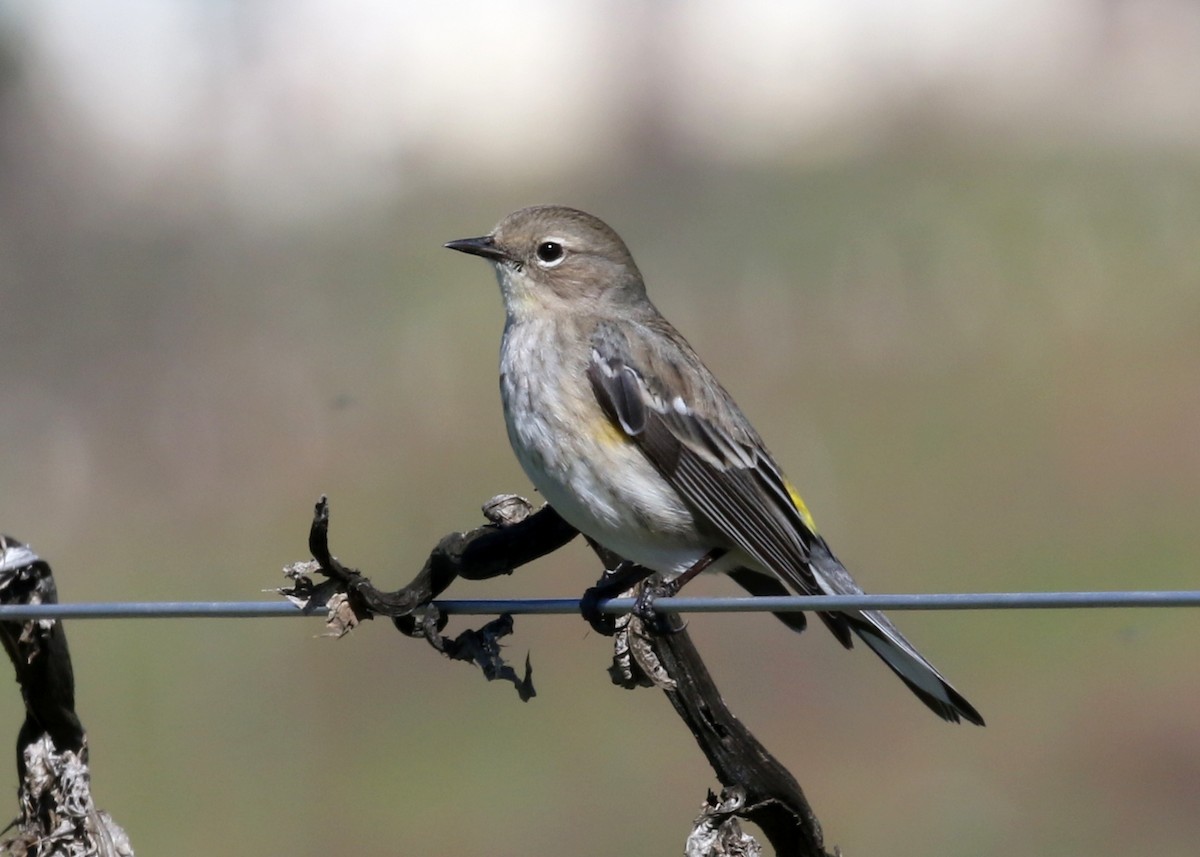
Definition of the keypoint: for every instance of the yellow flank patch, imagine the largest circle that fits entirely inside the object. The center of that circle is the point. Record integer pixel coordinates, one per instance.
(800, 507)
(609, 433)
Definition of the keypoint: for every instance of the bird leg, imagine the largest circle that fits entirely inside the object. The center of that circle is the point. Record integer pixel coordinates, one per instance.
(644, 607)
(620, 580)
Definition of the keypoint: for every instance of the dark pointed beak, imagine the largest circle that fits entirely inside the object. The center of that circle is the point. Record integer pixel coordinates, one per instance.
(485, 247)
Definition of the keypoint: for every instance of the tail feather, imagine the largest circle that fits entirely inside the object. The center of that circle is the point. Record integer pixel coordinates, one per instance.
(877, 631)
(886, 641)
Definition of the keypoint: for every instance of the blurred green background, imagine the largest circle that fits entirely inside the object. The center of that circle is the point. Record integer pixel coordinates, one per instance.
(947, 259)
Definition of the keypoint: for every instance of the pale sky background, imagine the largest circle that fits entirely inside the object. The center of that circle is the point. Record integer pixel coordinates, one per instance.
(296, 104)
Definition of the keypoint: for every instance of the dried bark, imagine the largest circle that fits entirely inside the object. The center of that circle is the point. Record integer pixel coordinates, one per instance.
(57, 815)
(756, 786)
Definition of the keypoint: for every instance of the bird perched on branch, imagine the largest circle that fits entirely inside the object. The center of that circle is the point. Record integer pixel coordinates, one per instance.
(632, 440)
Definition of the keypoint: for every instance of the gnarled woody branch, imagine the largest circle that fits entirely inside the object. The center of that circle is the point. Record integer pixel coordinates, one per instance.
(756, 786)
(57, 815)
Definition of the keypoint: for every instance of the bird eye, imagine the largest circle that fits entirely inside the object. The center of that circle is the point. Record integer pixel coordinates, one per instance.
(550, 253)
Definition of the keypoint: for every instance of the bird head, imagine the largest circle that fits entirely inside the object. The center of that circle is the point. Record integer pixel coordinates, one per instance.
(551, 255)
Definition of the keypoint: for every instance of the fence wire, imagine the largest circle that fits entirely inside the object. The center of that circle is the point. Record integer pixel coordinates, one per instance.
(548, 606)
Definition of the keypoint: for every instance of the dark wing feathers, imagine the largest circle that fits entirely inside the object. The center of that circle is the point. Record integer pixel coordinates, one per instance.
(731, 500)
(706, 450)
(619, 393)
(731, 482)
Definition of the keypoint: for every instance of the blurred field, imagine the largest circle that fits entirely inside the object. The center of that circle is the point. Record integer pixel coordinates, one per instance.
(978, 360)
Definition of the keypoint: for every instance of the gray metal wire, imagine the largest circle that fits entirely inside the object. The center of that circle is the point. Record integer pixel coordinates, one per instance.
(496, 606)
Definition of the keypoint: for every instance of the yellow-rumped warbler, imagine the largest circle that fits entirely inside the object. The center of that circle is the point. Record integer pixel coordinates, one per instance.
(634, 442)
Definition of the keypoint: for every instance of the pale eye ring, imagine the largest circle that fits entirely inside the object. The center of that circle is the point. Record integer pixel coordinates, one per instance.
(550, 253)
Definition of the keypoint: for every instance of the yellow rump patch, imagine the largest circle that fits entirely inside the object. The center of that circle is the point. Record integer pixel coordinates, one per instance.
(800, 507)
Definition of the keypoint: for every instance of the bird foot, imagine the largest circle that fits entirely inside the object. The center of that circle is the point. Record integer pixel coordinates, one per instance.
(652, 620)
(613, 584)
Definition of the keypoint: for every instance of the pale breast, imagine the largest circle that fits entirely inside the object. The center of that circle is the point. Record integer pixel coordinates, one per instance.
(583, 465)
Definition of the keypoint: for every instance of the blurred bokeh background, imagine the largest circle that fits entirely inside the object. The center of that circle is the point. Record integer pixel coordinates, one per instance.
(947, 256)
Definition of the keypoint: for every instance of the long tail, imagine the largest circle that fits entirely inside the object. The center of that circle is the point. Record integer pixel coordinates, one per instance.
(878, 632)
